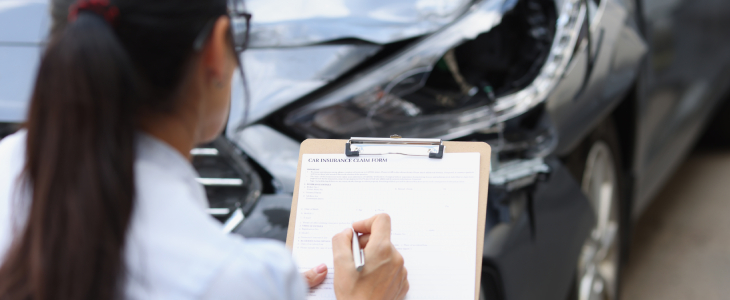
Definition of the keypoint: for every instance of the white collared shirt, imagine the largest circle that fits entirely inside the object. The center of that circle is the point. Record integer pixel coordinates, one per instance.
(174, 249)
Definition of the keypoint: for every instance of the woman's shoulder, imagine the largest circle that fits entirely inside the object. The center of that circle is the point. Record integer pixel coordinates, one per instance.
(184, 253)
(179, 251)
(12, 145)
(12, 155)
(12, 159)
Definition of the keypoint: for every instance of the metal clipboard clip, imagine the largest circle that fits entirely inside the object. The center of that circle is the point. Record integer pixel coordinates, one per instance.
(356, 146)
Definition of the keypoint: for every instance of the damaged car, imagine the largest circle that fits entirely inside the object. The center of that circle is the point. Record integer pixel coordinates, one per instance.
(588, 105)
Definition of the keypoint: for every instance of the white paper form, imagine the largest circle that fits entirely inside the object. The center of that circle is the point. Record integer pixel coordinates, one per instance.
(433, 205)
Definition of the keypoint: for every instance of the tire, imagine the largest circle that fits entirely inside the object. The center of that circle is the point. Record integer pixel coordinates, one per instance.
(717, 134)
(596, 164)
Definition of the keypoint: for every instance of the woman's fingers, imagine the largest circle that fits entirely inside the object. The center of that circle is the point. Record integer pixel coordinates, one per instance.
(404, 286)
(378, 226)
(342, 251)
(403, 290)
(364, 240)
(316, 275)
(384, 275)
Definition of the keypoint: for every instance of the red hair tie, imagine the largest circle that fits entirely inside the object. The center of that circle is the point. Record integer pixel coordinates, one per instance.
(100, 7)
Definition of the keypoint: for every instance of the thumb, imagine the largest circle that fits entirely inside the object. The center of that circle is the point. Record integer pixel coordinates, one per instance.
(316, 275)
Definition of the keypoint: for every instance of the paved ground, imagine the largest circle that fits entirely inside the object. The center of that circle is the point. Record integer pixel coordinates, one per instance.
(681, 245)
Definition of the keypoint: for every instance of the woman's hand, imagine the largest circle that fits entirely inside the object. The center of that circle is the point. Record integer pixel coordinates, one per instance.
(316, 275)
(383, 276)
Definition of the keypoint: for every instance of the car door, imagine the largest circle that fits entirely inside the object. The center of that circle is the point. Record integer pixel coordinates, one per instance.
(682, 79)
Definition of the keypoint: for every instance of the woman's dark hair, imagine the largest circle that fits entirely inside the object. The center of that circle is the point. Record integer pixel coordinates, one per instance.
(93, 80)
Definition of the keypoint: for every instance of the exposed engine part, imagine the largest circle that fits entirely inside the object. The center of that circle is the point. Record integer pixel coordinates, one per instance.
(498, 62)
(517, 174)
(511, 55)
(504, 59)
(450, 59)
(518, 149)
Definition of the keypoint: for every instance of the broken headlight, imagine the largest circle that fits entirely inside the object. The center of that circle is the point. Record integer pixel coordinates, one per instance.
(486, 67)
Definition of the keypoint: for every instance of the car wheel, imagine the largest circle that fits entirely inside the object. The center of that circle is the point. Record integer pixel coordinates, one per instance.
(597, 166)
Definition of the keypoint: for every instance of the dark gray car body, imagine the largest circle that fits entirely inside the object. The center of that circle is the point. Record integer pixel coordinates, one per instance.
(659, 76)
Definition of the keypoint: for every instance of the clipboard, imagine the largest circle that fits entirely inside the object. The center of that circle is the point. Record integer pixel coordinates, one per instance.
(428, 148)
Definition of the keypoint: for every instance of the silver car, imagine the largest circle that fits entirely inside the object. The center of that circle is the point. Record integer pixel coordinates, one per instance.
(588, 105)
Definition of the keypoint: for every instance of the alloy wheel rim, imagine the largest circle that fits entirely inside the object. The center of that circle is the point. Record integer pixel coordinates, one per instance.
(598, 262)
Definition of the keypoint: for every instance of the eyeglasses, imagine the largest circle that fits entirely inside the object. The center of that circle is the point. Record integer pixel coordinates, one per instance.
(240, 21)
(240, 24)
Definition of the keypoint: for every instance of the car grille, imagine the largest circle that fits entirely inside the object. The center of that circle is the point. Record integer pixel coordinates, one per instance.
(231, 184)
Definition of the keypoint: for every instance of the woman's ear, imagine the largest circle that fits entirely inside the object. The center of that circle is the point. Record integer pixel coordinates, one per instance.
(216, 54)
(216, 65)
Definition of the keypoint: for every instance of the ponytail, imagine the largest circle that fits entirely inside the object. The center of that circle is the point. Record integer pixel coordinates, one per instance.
(79, 162)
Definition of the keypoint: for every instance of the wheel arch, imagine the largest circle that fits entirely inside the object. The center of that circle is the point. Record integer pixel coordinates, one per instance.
(625, 122)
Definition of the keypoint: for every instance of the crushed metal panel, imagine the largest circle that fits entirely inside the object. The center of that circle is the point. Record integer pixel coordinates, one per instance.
(288, 23)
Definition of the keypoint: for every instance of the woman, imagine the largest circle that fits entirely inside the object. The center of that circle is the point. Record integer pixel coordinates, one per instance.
(97, 197)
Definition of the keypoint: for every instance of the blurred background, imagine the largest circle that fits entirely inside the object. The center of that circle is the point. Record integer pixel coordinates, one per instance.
(599, 188)
(681, 244)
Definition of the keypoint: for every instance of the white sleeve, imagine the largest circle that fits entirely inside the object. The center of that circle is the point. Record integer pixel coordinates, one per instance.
(263, 269)
(13, 211)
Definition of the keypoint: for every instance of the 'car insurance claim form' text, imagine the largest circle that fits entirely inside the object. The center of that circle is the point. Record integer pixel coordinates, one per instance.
(433, 205)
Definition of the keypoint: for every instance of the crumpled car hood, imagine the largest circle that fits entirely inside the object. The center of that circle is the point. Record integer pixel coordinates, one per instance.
(291, 53)
(289, 23)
